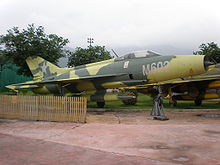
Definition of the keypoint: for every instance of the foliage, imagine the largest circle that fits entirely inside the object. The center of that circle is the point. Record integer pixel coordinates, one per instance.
(18, 45)
(88, 55)
(3, 59)
(210, 49)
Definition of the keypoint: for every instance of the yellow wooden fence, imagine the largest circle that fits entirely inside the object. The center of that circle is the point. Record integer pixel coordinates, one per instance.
(47, 108)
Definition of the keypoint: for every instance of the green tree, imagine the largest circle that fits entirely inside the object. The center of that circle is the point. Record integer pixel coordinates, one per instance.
(88, 55)
(210, 49)
(3, 59)
(18, 45)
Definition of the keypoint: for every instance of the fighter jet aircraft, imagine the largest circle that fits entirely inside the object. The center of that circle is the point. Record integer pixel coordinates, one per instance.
(92, 80)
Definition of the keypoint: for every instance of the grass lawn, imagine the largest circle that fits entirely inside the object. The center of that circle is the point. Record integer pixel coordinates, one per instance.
(145, 102)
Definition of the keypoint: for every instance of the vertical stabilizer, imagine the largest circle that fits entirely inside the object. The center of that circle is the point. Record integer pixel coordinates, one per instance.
(41, 69)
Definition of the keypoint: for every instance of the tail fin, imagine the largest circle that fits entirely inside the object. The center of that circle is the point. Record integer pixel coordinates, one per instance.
(41, 69)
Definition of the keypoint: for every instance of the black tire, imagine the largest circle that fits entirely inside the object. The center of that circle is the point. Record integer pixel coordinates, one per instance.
(100, 104)
(198, 102)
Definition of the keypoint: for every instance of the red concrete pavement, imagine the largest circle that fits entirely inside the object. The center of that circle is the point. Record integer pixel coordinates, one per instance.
(25, 151)
(171, 143)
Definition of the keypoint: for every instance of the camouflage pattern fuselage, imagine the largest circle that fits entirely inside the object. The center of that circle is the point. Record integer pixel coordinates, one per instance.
(124, 73)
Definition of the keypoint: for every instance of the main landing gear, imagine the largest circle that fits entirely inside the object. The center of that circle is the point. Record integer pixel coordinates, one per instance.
(157, 112)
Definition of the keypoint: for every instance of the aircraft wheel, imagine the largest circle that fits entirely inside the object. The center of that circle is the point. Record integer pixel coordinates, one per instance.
(198, 102)
(100, 104)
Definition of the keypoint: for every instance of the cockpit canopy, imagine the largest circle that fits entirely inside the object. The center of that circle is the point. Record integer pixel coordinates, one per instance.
(138, 54)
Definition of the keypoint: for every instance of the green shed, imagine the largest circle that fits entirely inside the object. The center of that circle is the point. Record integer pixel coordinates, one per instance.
(9, 76)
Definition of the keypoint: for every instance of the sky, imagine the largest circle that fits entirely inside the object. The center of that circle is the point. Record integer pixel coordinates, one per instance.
(164, 26)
